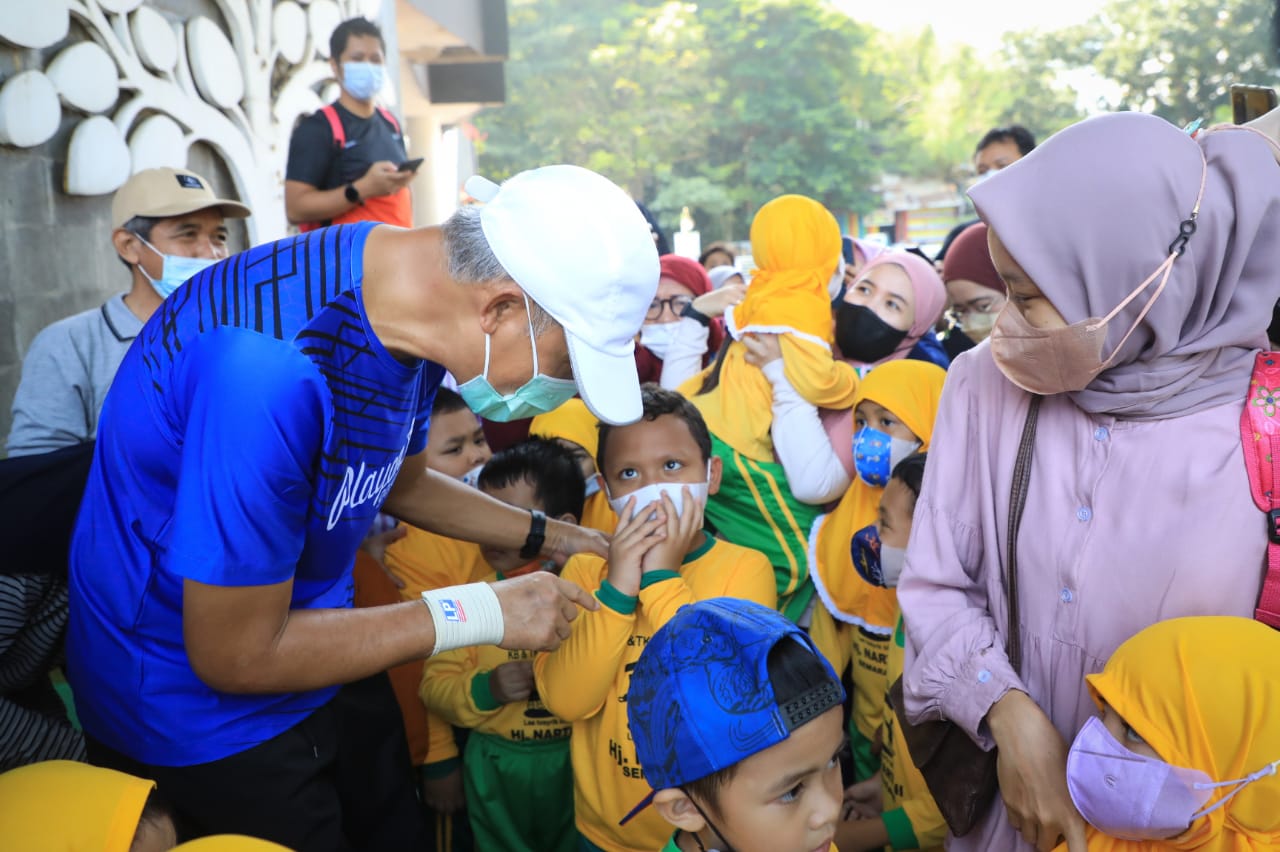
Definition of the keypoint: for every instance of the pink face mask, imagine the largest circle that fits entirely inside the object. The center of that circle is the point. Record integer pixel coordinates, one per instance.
(1061, 360)
(1134, 797)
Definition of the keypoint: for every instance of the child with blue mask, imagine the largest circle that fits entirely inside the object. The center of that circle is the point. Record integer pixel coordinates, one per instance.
(894, 412)
(1185, 752)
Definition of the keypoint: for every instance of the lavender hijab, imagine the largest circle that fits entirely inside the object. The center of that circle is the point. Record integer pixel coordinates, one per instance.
(1092, 212)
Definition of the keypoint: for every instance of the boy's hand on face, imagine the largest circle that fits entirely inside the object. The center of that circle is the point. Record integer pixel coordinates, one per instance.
(683, 531)
(635, 537)
(511, 682)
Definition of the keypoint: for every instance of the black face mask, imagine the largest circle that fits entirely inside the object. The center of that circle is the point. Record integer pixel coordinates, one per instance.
(863, 336)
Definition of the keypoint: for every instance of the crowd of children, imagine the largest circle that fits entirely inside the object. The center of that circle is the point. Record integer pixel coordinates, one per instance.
(737, 688)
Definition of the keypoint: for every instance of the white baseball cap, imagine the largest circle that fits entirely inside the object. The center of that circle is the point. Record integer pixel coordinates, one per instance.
(579, 247)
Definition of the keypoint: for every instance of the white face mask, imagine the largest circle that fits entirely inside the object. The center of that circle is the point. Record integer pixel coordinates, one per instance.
(657, 337)
(836, 284)
(891, 561)
(648, 495)
(472, 477)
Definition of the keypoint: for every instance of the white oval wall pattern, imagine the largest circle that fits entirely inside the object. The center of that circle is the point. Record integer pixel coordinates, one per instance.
(85, 77)
(97, 158)
(155, 39)
(157, 141)
(164, 84)
(34, 24)
(29, 110)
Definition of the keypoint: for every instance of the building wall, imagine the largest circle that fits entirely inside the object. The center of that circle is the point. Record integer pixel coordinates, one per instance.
(56, 249)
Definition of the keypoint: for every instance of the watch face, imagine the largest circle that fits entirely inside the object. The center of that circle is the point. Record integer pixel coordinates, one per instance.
(353, 195)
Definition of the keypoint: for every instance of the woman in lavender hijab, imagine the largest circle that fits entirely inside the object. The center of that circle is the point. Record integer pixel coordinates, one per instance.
(1139, 507)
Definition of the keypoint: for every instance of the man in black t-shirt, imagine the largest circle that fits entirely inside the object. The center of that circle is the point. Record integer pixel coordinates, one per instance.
(345, 160)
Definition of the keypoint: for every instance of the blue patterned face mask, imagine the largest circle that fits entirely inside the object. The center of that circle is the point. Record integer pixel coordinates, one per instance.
(876, 454)
(537, 396)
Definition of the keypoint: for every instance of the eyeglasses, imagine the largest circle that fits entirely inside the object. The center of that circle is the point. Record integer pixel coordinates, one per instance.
(677, 304)
(983, 305)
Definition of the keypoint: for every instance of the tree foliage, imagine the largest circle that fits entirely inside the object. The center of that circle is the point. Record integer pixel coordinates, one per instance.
(720, 105)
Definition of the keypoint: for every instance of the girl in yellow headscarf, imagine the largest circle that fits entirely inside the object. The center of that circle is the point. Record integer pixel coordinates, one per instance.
(795, 243)
(893, 412)
(1185, 754)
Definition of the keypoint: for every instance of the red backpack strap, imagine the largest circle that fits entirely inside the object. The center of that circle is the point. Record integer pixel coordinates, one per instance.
(1260, 433)
(390, 117)
(335, 125)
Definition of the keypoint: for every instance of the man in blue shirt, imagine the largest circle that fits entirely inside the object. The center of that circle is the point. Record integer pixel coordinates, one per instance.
(273, 405)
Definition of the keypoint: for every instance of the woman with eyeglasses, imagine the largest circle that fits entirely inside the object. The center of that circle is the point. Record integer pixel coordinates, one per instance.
(683, 329)
(974, 288)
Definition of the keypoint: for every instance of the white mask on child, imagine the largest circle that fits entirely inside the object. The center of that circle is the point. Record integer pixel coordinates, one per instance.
(650, 494)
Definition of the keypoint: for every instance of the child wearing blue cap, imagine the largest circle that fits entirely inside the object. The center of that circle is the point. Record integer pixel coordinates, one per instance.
(736, 718)
(658, 472)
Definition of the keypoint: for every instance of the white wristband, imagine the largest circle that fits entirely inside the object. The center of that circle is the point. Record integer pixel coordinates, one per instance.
(465, 615)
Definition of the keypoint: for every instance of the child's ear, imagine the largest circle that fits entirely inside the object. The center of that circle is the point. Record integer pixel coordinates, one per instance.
(570, 518)
(677, 808)
(713, 475)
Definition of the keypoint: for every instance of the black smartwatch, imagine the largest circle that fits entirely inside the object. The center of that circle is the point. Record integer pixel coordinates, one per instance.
(537, 535)
(694, 314)
(352, 194)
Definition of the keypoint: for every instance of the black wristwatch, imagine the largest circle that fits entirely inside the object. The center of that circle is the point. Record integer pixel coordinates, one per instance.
(537, 535)
(353, 194)
(695, 314)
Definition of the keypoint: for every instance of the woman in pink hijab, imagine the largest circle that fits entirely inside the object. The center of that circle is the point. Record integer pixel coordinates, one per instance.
(1141, 267)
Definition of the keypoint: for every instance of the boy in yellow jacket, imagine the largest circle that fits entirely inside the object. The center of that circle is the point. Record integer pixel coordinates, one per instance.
(658, 472)
(519, 785)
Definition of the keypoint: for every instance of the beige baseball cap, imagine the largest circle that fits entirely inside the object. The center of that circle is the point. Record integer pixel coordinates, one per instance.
(168, 192)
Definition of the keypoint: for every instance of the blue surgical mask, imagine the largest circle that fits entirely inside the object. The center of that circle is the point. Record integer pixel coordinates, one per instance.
(876, 454)
(363, 80)
(537, 396)
(175, 271)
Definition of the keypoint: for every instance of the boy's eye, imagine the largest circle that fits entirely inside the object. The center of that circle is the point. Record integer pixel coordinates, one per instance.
(628, 473)
(1133, 736)
(888, 423)
(453, 450)
(672, 464)
(792, 795)
(860, 422)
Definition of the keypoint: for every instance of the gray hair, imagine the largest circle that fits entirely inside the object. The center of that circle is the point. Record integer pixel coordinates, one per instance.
(471, 260)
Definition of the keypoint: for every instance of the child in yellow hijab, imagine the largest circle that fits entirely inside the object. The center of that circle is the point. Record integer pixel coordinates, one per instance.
(894, 412)
(65, 806)
(795, 243)
(1185, 754)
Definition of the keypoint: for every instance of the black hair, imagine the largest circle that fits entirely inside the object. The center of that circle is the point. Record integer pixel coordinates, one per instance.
(793, 671)
(657, 402)
(156, 813)
(547, 465)
(722, 248)
(343, 32)
(1015, 133)
(447, 401)
(910, 472)
(140, 226)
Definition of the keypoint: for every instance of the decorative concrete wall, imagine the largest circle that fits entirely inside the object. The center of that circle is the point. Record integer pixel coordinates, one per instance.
(94, 90)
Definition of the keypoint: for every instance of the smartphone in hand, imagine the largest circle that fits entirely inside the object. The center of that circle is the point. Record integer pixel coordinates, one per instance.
(411, 165)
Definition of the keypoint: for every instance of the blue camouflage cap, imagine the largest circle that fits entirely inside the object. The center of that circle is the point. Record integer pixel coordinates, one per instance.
(701, 700)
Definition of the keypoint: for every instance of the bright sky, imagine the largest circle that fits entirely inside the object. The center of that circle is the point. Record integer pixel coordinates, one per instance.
(980, 23)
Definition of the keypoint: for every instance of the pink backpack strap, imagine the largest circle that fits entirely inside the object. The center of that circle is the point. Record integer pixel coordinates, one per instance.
(1260, 433)
(390, 118)
(335, 125)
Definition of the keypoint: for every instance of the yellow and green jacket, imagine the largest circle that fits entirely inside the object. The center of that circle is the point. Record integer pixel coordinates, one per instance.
(586, 680)
(455, 686)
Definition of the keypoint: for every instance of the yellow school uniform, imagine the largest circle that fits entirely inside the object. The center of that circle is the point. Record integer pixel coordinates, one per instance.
(910, 814)
(586, 680)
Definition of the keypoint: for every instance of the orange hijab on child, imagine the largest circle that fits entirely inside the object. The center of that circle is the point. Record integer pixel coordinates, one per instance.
(911, 391)
(1204, 693)
(795, 243)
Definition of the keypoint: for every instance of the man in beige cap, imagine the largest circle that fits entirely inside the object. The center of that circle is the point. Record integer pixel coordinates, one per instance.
(167, 226)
